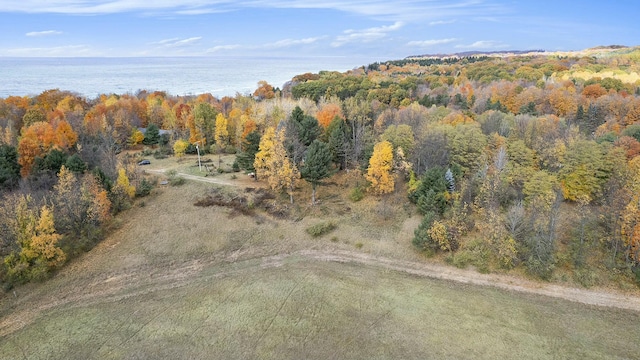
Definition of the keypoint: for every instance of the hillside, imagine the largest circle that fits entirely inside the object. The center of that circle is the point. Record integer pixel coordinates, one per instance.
(375, 194)
(171, 282)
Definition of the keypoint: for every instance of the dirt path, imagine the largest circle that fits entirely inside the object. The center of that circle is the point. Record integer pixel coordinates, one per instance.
(115, 287)
(437, 271)
(196, 178)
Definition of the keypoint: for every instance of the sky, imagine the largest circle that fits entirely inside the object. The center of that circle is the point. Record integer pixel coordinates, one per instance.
(383, 29)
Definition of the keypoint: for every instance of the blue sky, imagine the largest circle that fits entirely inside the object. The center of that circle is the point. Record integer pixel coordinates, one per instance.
(371, 28)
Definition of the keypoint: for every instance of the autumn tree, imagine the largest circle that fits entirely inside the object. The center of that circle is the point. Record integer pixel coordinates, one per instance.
(81, 207)
(585, 170)
(630, 215)
(65, 136)
(400, 136)
(37, 240)
(264, 91)
(180, 147)
(379, 173)
(316, 166)
(328, 113)
(221, 134)
(36, 140)
(466, 146)
(272, 163)
(264, 154)
(122, 192)
(202, 124)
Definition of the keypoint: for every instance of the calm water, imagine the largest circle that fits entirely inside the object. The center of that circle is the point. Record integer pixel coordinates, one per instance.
(220, 76)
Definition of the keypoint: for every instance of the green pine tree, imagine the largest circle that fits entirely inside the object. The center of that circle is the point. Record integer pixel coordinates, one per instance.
(317, 165)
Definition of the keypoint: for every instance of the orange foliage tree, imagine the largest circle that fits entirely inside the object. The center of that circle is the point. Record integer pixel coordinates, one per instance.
(65, 137)
(36, 141)
(328, 113)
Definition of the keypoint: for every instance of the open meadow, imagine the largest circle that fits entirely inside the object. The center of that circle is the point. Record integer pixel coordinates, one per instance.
(174, 280)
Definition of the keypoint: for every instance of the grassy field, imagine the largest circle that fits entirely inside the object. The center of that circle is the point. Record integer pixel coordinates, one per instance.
(178, 281)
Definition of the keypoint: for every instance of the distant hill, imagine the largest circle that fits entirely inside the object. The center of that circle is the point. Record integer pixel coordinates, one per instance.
(507, 53)
(478, 53)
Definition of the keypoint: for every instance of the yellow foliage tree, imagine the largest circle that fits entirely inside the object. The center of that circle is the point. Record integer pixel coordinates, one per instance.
(136, 137)
(180, 147)
(37, 240)
(630, 217)
(380, 173)
(222, 133)
(43, 243)
(65, 137)
(272, 162)
(265, 151)
(438, 233)
(123, 183)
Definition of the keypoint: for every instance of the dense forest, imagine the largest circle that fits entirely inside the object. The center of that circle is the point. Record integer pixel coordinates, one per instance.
(523, 162)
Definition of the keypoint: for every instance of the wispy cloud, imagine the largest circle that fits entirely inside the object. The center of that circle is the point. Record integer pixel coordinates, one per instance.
(220, 48)
(383, 10)
(428, 43)
(43, 33)
(177, 42)
(441, 22)
(280, 44)
(291, 42)
(56, 51)
(484, 44)
(366, 35)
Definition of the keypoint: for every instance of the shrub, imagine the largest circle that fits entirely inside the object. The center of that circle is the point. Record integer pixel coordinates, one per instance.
(320, 229)
(356, 194)
(422, 239)
(144, 188)
(176, 181)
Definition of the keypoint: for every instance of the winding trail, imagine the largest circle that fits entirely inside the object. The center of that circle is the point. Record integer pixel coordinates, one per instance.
(195, 178)
(17, 312)
(115, 287)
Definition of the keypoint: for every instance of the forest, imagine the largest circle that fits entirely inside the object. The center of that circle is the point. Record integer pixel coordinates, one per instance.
(523, 163)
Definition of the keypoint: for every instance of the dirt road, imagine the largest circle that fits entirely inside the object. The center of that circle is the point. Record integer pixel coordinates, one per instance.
(116, 286)
(196, 178)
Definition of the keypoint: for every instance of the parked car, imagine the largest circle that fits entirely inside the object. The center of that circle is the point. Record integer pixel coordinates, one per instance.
(144, 162)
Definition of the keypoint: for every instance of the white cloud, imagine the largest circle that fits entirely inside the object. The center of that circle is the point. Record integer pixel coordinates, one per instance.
(291, 42)
(484, 44)
(383, 10)
(56, 51)
(177, 42)
(43, 33)
(441, 22)
(427, 43)
(280, 44)
(219, 48)
(366, 35)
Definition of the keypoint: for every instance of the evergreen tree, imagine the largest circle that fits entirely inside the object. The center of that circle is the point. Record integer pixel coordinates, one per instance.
(249, 149)
(9, 167)
(317, 165)
(337, 141)
(152, 135)
(75, 164)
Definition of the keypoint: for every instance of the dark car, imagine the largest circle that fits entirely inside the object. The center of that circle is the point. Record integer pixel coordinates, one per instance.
(144, 162)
